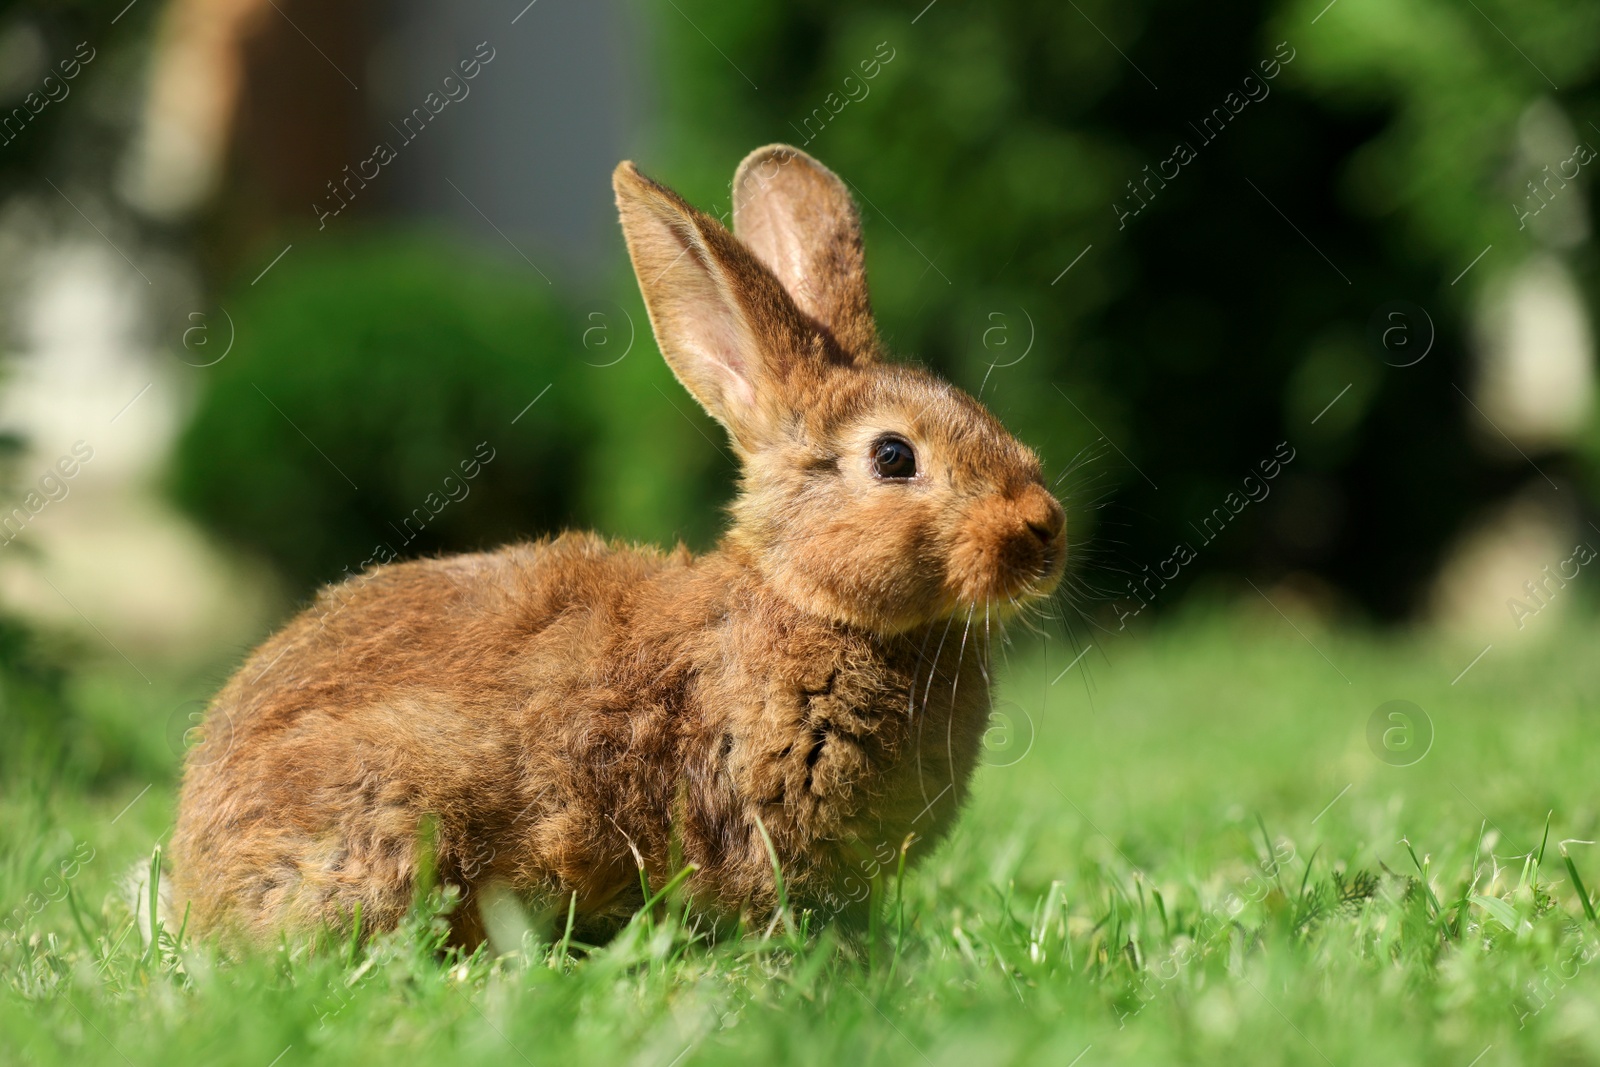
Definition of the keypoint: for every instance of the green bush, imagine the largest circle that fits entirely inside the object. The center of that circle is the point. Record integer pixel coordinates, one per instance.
(35, 718)
(376, 404)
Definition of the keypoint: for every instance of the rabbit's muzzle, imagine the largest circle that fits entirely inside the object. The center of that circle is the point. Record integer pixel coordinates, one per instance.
(1011, 547)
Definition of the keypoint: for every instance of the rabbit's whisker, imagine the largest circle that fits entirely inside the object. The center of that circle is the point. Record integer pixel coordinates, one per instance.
(950, 721)
(983, 659)
(926, 690)
(922, 654)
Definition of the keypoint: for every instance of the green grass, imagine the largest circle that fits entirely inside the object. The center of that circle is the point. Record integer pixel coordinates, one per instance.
(1192, 855)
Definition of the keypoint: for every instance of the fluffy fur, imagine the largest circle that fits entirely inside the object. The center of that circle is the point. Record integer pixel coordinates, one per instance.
(555, 716)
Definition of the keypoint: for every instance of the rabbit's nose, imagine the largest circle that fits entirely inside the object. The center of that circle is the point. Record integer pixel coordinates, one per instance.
(1043, 516)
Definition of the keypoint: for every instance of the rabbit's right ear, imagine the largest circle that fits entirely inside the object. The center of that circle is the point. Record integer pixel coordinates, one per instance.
(799, 219)
(725, 325)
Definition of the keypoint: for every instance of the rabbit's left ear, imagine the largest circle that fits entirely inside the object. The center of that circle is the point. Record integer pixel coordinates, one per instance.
(727, 328)
(798, 218)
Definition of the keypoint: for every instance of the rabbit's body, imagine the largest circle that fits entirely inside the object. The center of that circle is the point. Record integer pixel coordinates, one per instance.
(562, 712)
(557, 717)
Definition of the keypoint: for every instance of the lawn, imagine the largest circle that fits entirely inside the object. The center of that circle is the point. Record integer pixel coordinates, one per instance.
(1189, 847)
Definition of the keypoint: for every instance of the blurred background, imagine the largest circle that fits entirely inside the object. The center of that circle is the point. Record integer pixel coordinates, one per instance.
(289, 288)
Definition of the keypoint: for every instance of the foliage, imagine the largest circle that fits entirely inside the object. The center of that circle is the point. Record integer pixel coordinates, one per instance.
(33, 709)
(1002, 142)
(36, 718)
(991, 147)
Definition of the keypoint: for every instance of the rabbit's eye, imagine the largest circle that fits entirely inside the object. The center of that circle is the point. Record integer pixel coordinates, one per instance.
(892, 458)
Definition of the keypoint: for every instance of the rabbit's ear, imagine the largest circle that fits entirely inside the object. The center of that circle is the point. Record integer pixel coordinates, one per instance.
(798, 218)
(727, 328)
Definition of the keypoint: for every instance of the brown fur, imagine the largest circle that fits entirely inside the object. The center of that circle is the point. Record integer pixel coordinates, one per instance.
(565, 712)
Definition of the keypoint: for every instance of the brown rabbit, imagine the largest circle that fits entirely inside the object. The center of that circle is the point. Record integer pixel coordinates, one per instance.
(563, 714)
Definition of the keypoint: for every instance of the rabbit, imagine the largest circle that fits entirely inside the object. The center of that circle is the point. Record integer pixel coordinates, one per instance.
(575, 721)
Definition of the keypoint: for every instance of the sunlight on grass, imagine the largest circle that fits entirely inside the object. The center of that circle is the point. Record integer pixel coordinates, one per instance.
(1186, 848)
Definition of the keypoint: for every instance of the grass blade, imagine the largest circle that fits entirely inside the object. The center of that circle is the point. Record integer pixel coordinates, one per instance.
(83, 926)
(1271, 863)
(183, 928)
(1499, 910)
(1577, 883)
(566, 938)
(154, 951)
(673, 883)
(355, 938)
(777, 882)
(1432, 897)
(899, 907)
(1306, 878)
